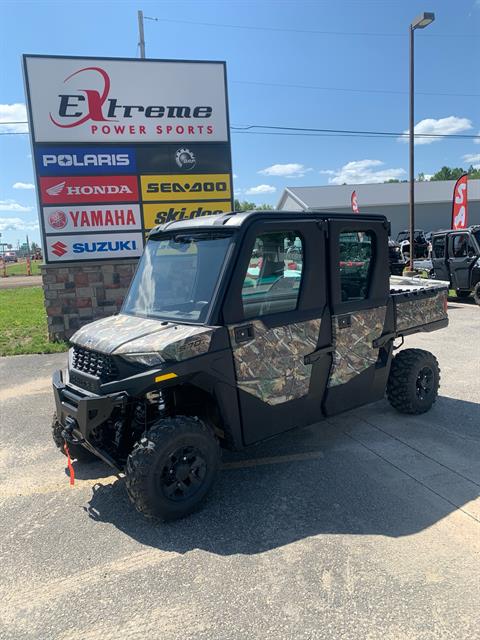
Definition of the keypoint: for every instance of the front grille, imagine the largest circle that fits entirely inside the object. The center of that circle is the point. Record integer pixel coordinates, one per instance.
(95, 364)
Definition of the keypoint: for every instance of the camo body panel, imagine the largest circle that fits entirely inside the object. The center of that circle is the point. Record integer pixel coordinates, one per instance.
(270, 366)
(353, 345)
(413, 313)
(129, 334)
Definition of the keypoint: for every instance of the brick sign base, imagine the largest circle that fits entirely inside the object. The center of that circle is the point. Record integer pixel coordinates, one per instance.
(77, 294)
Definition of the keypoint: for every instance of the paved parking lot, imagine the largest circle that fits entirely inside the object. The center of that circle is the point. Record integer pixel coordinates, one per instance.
(365, 526)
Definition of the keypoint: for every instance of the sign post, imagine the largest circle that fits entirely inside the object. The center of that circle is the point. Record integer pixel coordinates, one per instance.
(120, 146)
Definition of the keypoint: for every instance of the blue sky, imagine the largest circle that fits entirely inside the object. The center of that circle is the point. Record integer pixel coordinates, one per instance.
(314, 44)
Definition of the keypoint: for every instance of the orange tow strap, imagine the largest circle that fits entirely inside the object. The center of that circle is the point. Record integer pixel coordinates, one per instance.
(70, 465)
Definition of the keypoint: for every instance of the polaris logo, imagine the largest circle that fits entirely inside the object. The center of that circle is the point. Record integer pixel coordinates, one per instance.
(87, 160)
(104, 247)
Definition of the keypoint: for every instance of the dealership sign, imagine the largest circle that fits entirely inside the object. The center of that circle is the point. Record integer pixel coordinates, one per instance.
(86, 100)
(123, 145)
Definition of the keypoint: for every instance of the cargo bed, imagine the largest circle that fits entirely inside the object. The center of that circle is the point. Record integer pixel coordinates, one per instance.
(419, 304)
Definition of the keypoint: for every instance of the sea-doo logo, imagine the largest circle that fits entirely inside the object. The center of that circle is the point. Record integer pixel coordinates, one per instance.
(183, 187)
(59, 249)
(89, 189)
(81, 105)
(185, 159)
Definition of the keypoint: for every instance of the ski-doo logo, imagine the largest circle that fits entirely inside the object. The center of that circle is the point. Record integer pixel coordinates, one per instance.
(91, 104)
(78, 160)
(89, 189)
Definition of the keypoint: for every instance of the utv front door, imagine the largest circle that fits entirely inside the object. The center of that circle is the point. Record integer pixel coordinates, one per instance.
(279, 326)
(440, 258)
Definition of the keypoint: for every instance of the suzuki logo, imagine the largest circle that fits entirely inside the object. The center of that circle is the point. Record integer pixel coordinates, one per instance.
(59, 249)
(56, 190)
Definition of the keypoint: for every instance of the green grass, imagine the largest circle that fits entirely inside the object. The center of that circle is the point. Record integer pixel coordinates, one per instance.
(20, 268)
(23, 323)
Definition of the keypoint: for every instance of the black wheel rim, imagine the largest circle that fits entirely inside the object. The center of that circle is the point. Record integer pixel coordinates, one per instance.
(425, 383)
(183, 474)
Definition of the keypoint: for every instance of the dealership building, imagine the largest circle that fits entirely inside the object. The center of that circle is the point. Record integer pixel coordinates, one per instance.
(433, 202)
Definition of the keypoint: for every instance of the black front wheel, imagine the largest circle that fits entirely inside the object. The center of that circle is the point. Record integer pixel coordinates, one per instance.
(172, 468)
(413, 381)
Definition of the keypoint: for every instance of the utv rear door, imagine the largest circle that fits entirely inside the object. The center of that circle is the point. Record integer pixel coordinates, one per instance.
(361, 312)
(440, 257)
(462, 257)
(279, 326)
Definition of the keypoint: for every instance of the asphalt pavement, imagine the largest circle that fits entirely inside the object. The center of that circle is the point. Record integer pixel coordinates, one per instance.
(365, 526)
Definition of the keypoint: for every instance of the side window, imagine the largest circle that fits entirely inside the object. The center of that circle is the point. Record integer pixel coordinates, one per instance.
(356, 260)
(438, 247)
(460, 244)
(274, 274)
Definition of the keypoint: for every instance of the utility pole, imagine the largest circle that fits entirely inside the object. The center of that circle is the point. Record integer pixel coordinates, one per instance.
(141, 36)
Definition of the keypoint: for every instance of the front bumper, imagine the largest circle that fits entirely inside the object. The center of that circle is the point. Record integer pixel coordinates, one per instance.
(80, 411)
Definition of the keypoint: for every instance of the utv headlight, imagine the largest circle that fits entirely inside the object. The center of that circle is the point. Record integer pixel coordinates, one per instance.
(149, 359)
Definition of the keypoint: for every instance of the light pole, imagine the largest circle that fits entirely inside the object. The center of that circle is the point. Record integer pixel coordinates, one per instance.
(422, 21)
(141, 36)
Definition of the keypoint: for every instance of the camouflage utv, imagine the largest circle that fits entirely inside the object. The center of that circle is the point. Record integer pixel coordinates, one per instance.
(236, 328)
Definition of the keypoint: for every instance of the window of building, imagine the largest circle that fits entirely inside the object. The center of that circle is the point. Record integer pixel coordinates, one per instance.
(438, 247)
(274, 274)
(356, 260)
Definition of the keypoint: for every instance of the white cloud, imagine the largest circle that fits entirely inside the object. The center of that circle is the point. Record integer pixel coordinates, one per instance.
(364, 172)
(235, 176)
(428, 176)
(327, 172)
(23, 185)
(288, 170)
(260, 189)
(17, 224)
(11, 205)
(13, 113)
(472, 158)
(442, 126)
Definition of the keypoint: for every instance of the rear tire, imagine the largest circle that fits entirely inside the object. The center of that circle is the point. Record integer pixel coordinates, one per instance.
(77, 452)
(462, 294)
(413, 381)
(172, 468)
(476, 293)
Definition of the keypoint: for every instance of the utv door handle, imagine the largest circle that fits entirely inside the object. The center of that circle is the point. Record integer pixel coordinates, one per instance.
(319, 353)
(244, 333)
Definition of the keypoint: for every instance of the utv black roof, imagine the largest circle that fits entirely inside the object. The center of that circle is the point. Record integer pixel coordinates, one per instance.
(237, 219)
(473, 227)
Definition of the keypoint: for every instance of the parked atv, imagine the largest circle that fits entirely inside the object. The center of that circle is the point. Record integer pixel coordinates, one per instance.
(237, 328)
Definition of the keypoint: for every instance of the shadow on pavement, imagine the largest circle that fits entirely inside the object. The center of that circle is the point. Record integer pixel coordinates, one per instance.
(348, 488)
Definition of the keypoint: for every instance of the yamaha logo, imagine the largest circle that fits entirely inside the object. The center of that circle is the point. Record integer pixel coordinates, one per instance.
(185, 159)
(57, 220)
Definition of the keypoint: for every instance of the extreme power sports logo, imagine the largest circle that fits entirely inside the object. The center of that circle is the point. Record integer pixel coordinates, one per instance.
(79, 104)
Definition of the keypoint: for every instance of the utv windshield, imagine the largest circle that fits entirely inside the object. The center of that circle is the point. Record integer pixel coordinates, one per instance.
(177, 276)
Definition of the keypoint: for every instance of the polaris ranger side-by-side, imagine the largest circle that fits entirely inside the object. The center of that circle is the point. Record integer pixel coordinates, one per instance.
(236, 328)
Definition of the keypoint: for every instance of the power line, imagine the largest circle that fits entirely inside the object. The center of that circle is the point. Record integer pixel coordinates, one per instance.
(355, 132)
(309, 31)
(258, 129)
(351, 90)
